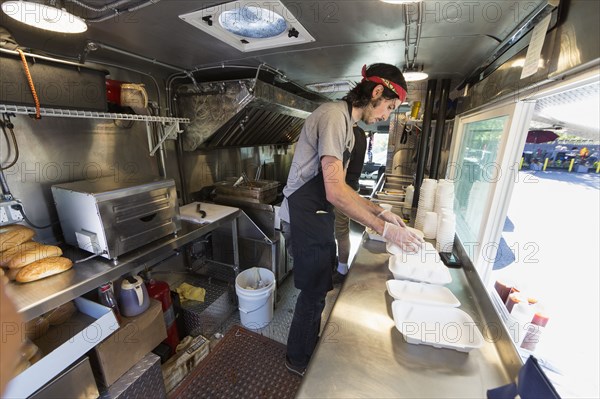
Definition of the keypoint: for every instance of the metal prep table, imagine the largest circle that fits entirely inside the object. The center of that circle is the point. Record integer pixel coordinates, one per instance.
(361, 354)
(36, 298)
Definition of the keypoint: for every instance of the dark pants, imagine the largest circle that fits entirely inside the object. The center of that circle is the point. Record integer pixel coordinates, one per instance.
(304, 330)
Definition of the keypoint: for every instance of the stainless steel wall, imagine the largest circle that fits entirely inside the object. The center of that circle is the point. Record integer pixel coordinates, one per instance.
(206, 167)
(56, 150)
(572, 45)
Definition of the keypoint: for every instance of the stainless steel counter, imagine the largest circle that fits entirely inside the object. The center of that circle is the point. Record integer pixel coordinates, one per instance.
(361, 354)
(35, 298)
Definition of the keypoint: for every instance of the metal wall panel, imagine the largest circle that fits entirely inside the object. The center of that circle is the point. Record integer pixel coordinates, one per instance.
(572, 45)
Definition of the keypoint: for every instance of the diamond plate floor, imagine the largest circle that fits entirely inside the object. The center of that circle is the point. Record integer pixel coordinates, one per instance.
(242, 365)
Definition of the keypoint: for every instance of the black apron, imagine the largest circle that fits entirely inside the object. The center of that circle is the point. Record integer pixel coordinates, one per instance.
(313, 241)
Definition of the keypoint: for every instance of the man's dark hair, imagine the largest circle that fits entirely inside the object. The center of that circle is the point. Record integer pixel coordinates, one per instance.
(360, 95)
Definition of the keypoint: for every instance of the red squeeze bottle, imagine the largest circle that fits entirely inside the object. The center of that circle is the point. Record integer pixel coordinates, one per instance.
(534, 331)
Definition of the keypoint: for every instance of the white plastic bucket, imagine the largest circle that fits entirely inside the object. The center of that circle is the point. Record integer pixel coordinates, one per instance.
(255, 301)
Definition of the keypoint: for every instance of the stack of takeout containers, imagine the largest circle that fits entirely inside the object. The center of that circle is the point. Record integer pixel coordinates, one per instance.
(423, 310)
(426, 201)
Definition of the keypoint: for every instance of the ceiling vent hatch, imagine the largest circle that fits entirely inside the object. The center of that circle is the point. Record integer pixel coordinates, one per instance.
(250, 25)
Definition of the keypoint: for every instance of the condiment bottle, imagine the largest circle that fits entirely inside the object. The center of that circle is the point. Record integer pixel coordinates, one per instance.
(521, 314)
(513, 298)
(107, 298)
(535, 329)
(503, 289)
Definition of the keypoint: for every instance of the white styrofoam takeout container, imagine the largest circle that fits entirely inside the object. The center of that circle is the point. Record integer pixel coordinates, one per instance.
(440, 327)
(426, 294)
(432, 272)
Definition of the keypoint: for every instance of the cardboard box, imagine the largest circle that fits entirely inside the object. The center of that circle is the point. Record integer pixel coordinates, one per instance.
(179, 366)
(64, 344)
(129, 344)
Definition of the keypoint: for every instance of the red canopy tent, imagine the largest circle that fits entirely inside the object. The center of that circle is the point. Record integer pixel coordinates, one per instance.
(541, 136)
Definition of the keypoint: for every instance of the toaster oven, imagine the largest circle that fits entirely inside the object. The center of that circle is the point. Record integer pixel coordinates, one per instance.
(109, 217)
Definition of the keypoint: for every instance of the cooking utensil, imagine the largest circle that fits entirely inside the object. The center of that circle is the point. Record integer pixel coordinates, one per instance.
(200, 211)
(238, 181)
(248, 182)
(258, 280)
(258, 171)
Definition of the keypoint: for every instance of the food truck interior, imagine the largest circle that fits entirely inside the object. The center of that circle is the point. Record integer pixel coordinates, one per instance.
(146, 145)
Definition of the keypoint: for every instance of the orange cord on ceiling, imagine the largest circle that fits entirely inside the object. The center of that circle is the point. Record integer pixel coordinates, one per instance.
(38, 114)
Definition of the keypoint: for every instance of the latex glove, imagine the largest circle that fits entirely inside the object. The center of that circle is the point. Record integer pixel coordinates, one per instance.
(391, 217)
(401, 236)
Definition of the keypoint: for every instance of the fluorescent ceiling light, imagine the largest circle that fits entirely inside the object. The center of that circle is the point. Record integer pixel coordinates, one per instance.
(249, 25)
(414, 73)
(44, 17)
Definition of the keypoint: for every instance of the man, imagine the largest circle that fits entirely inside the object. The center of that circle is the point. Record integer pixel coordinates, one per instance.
(342, 222)
(316, 184)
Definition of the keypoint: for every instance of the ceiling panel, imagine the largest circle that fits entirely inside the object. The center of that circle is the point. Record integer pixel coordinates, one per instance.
(456, 37)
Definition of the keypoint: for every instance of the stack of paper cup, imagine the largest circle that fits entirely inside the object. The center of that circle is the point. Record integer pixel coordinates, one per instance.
(430, 225)
(426, 201)
(444, 195)
(408, 198)
(445, 231)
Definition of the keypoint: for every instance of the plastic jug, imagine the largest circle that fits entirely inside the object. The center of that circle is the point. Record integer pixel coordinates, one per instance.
(133, 296)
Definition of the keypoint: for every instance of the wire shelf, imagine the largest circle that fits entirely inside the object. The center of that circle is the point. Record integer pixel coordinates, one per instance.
(71, 113)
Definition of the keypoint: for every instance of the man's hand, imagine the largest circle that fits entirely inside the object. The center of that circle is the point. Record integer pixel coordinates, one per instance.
(401, 236)
(391, 217)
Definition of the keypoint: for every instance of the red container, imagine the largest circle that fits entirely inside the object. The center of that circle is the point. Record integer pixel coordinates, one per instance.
(160, 291)
(113, 91)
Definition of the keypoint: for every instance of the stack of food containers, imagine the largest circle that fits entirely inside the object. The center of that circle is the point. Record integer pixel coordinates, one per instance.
(425, 311)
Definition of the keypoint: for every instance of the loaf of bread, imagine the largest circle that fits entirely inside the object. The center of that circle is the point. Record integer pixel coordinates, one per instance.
(6, 256)
(31, 255)
(43, 268)
(15, 236)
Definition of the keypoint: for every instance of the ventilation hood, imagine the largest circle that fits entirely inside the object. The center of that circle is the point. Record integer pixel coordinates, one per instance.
(241, 113)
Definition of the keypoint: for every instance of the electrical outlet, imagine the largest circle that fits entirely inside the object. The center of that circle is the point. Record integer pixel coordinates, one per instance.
(8, 215)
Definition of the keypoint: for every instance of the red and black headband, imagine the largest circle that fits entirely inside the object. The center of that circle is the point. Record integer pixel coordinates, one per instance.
(396, 88)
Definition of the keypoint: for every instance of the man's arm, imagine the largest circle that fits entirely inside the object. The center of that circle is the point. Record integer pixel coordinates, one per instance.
(343, 197)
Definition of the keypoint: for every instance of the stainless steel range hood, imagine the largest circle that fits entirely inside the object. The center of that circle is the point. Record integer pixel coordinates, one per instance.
(241, 113)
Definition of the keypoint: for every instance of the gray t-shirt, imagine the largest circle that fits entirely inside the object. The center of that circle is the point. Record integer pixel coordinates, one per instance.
(326, 132)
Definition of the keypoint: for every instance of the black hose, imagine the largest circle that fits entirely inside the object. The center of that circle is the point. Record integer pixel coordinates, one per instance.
(29, 222)
(4, 185)
(6, 123)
